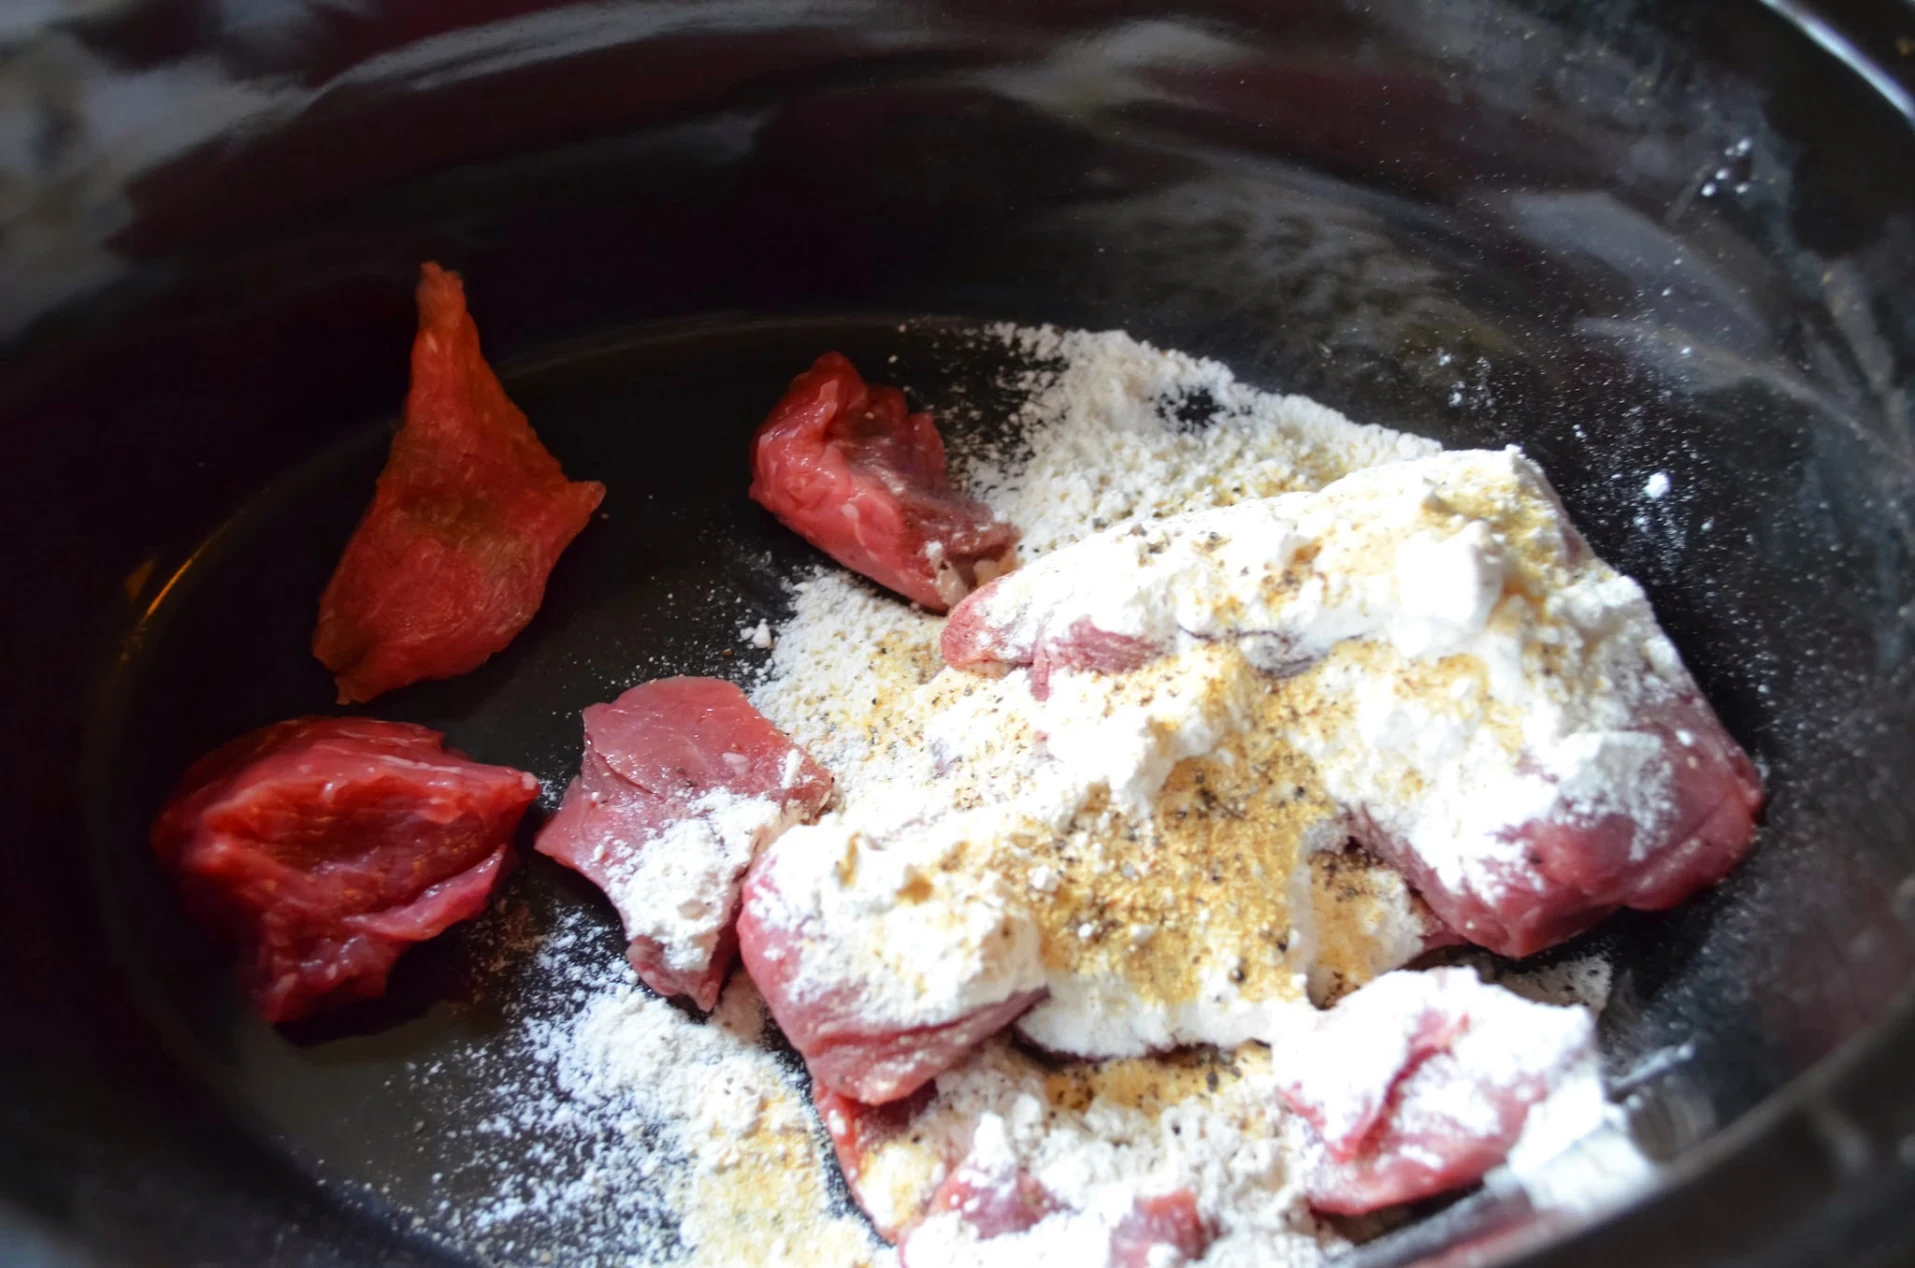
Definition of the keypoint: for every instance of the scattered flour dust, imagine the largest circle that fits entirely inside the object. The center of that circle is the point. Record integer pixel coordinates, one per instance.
(1113, 431)
(753, 1187)
(608, 1128)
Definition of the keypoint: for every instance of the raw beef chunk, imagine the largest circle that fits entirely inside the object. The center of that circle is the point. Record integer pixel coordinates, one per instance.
(995, 1200)
(858, 1133)
(323, 847)
(1421, 1082)
(881, 980)
(849, 1045)
(1534, 753)
(449, 562)
(849, 470)
(681, 783)
(972, 641)
(1579, 869)
(1169, 1221)
(928, 1169)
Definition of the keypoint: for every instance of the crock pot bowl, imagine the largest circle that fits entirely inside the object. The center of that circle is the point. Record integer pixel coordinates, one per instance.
(1633, 238)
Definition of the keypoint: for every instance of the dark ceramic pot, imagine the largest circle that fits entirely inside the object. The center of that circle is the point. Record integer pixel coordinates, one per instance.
(1635, 238)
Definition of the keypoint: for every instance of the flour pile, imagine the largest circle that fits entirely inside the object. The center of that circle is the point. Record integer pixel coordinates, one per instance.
(708, 1118)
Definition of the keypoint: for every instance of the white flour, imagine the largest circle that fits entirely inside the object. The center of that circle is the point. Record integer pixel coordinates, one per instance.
(847, 648)
(1131, 1129)
(1127, 1131)
(679, 888)
(1399, 702)
(751, 1187)
(854, 678)
(1352, 1063)
(1104, 449)
(690, 1141)
(1096, 444)
(620, 1130)
(1390, 556)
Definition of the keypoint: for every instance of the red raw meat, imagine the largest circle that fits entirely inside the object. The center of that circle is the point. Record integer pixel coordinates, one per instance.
(1580, 872)
(651, 758)
(972, 640)
(994, 1202)
(1001, 1205)
(323, 847)
(1422, 1081)
(1576, 868)
(833, 1031)
(1083, 646)
(449, 562)
(847, 468)
(858, 1131)
(1169, 1220)
(1583, 870)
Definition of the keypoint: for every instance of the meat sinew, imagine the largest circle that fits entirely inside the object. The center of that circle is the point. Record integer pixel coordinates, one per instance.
(323, 847)
(850, 470)
(1421, 1082)
(682, 782)
(449, 562)
(1534, 755)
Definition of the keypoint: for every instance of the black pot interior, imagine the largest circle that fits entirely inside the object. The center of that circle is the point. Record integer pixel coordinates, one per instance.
(1631, 239)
